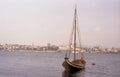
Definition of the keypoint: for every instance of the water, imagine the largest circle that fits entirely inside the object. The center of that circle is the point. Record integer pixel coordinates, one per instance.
(44, 64)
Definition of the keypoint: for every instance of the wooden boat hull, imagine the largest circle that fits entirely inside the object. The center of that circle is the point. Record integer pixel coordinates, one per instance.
(72, 67)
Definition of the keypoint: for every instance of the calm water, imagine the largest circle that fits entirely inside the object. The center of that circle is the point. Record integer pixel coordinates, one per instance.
(41, 64)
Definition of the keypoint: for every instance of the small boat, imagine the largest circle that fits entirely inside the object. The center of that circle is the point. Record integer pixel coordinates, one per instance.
(93, 64)
(76, 64)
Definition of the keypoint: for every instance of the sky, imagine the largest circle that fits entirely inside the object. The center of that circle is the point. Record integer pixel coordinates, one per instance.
(50, 21)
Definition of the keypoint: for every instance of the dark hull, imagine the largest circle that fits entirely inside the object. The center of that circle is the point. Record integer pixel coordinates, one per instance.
(71, 67)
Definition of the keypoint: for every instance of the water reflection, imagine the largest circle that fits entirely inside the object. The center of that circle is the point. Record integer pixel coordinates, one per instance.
(78, 74)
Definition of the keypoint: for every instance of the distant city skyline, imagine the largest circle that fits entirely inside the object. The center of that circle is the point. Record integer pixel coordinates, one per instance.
(50, 21)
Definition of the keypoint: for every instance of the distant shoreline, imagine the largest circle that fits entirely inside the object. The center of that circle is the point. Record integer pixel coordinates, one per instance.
(49, 51)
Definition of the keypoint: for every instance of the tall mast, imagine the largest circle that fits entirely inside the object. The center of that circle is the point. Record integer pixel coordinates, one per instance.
(75, 24)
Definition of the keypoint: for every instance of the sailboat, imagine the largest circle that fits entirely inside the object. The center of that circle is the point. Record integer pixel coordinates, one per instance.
(76, 64)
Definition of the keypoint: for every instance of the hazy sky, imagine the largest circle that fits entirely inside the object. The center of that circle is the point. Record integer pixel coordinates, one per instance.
(50, 21)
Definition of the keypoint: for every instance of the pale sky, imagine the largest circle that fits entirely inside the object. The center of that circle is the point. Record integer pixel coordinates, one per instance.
(50, 21)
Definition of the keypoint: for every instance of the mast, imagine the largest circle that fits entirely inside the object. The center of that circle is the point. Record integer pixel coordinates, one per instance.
(75, 24)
